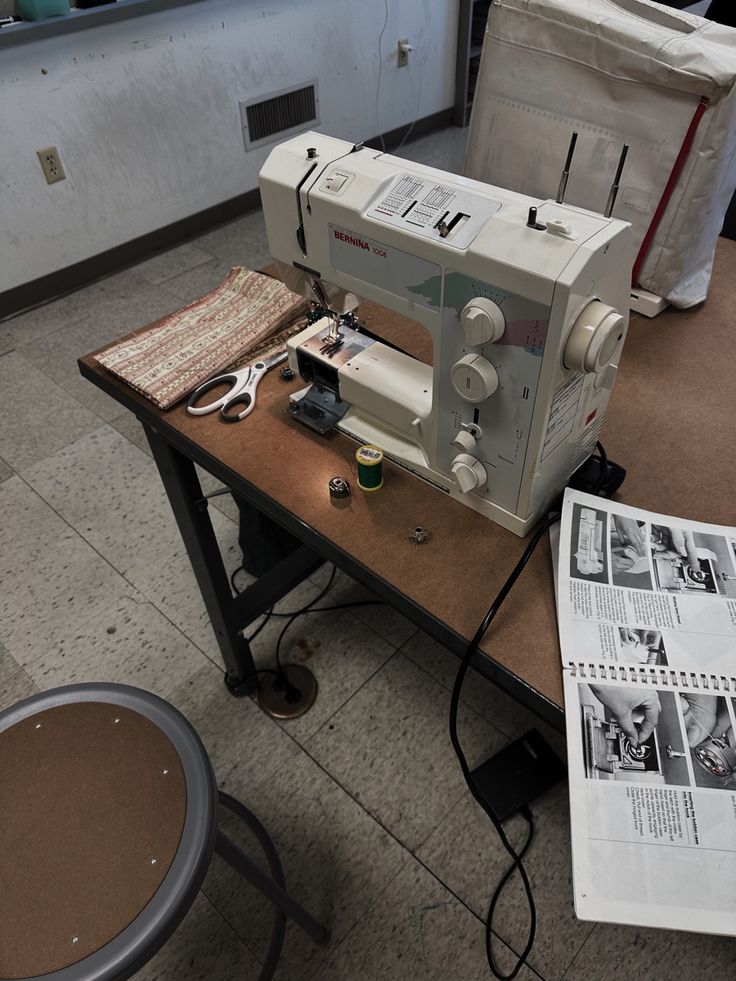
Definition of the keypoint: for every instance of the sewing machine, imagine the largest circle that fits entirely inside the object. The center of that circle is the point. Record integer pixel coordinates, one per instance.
(526, 303)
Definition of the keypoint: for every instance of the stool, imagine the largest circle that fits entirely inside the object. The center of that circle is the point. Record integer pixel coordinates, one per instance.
(108, 823)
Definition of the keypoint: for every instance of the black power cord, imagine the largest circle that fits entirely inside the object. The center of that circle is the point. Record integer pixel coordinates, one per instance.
(454, 705)
(516, 857)
(292, 616)
(603, 471)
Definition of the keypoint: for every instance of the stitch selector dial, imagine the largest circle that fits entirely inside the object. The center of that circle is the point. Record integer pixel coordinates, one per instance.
(468, 473)
(482, 320)
(474, 378)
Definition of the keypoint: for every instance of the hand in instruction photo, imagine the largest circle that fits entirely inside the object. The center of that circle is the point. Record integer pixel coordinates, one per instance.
(692, 562)
(630, 556)
(642, 645)
(632, 732)
(630, 534)
(699, 716)
(636, 711)
(675, 543)
(710, 737)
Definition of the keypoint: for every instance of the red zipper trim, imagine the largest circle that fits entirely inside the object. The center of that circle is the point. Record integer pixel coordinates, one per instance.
(669, 188)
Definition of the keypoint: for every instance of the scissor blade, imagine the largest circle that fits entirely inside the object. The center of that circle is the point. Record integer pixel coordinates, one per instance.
(275, 359)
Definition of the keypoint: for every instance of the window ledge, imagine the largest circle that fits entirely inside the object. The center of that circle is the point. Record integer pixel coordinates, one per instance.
(79, 20)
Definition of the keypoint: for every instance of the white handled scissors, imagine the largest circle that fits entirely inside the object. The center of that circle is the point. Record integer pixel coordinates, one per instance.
(242, 391)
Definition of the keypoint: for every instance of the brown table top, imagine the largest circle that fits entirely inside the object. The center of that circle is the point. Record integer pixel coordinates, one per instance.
(669, 423)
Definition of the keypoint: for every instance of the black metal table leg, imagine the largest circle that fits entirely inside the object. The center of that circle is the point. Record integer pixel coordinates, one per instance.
(183, 489)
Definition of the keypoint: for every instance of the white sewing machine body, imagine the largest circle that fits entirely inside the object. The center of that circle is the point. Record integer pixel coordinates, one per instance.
(527, 322)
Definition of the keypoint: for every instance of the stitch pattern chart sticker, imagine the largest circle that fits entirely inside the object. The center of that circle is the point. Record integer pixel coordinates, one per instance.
(421, 204)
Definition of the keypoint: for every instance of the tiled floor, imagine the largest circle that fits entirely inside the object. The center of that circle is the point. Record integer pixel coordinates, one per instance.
(363, 796)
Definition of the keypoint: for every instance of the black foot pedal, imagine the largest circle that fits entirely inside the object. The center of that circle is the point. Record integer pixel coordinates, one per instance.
(517, 774)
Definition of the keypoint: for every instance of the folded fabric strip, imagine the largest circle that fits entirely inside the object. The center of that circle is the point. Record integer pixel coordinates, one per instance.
(248, 314)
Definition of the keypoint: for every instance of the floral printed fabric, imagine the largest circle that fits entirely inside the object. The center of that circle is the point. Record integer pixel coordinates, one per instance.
(248, 314)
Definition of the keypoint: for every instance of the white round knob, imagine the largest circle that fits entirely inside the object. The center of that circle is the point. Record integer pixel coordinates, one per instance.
(464, 440)
(468, 472)
(483, 321)
(594, 337)
(474, 377)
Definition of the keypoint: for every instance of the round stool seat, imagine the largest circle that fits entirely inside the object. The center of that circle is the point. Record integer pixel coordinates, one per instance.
(107, 827)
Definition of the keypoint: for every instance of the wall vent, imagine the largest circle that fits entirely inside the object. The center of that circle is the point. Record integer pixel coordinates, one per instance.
(280, 115)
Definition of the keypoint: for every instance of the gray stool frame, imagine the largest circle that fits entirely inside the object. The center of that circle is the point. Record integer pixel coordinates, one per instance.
(148, 932)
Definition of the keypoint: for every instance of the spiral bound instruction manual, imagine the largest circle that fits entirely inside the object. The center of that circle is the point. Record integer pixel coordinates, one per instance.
(647, 619)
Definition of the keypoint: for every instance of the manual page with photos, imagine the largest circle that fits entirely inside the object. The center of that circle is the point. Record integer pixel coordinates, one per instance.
(647, 616)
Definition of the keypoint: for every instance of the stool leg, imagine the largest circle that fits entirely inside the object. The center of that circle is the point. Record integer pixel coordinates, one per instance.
(278, 930)
(242, 864)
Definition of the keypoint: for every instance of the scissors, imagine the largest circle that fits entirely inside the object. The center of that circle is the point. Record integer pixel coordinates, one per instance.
(243, 384)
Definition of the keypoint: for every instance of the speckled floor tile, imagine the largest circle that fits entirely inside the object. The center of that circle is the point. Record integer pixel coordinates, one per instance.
(244, 744)
(112, 494)
(173, 588)
(389, 747)
(437, 149)
(128, 425)
(172, 262)
(192, 285)
(98, 297)
(239, 242)
(452, 160)
(415, 931)
(56, 353)
(128, 642)
(7, 342)
(227, 506)
(15, 685)
(342, 652)
(8, 664)
(53, 581)
(480, 694)
(121, 317)
(619, 953)
(384, 619)
(465, 853)
(336, 860)
(38, 417)
(5, 471)
(203, 948)
(223, 502)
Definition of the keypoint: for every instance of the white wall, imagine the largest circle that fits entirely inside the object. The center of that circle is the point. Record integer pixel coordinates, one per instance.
(145, 112)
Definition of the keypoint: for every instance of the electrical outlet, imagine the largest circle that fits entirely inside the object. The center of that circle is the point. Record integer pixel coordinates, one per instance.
(51, 164)
(403, 48)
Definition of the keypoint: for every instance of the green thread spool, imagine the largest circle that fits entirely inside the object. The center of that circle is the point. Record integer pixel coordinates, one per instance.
(370, 468)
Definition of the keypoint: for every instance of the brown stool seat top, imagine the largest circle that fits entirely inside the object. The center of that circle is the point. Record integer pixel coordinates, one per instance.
(93, 802)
